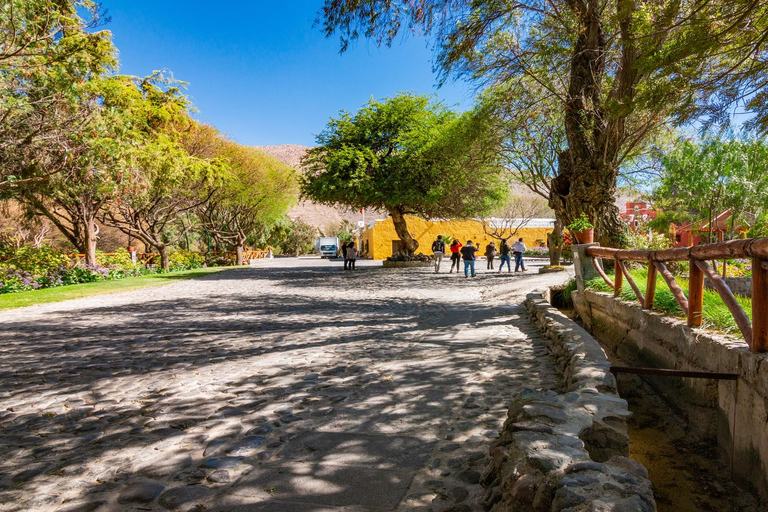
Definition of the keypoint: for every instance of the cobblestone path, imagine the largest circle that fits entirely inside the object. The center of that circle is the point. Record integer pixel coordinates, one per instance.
(292, 386)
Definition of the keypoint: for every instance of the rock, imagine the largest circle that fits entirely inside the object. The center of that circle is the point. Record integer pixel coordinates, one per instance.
(524, 490)
(290, 418)
(220, 476)
(246, 445)
(458, 494)
(140, 492)
(261, 430)
(221, 462)
(565, 498)
(182, 496)
(82, 506)
(311, 376)
(450, 447)
(469, 476)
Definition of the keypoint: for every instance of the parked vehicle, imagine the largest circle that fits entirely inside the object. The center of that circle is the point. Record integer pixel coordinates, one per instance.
(327, 246)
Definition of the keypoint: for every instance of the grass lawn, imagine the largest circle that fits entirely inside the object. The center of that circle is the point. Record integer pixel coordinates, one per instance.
(76, 291)
(715, 315)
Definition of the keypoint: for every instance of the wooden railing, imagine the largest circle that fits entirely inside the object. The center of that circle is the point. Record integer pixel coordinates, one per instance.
(755, 331)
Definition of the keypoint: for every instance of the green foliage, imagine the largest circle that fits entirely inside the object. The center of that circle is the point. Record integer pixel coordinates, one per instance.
(644, 238)
(35, 260)
(715, 314)
(580, 223)
(404, 153)
(184, 260)
(702, 179)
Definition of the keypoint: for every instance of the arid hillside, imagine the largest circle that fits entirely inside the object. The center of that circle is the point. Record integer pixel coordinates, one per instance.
(315, 214)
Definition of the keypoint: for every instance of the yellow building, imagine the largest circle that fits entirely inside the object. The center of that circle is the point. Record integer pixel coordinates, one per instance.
(378, 239)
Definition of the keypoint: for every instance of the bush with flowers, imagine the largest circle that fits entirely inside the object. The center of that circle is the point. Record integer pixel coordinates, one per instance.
(30, 268)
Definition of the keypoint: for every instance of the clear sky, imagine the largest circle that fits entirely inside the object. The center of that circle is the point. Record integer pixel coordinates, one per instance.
(260, 72)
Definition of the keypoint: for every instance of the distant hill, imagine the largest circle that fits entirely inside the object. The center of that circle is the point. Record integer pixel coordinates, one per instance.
(314, 214)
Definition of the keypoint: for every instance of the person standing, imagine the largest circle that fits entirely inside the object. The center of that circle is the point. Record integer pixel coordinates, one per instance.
(438, 249)
(490, 252)
(518, 248)
(468, 255)
(344, 254)
(455, 255)
(351, 255)
(504, 251)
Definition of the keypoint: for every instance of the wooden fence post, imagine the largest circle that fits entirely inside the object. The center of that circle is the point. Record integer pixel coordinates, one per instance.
(618, 277)
(650, 287)
(759, 305)
(695, 294)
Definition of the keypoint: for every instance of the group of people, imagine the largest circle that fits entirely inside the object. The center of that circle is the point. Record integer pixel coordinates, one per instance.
(349, 251)
(468, 253)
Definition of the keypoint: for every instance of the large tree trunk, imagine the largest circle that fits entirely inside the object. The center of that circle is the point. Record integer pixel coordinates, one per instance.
(91, 236)
(239, 254)
(590, 190)
(401, 228)
(555, 243)
(588, 169)
(165, 261)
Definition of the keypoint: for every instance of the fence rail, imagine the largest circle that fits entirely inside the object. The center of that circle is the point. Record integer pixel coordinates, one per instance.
(755, 331)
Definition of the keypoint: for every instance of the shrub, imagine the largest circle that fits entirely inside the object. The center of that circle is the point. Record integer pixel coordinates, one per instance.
(184, 260)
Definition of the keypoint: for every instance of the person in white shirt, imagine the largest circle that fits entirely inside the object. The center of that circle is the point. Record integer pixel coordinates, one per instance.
(518, 248)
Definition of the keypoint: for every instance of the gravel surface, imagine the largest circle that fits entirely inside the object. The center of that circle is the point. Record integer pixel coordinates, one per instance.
(290, 386)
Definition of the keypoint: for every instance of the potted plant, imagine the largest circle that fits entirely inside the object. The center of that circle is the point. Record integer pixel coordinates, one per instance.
(582, 229)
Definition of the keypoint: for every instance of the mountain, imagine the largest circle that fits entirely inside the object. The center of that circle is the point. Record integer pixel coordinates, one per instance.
(314, 214)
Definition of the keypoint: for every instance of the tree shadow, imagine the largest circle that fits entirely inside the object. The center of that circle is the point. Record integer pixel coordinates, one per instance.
(104, 397)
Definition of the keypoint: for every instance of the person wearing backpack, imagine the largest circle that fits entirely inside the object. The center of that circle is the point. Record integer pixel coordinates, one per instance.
(438, 249)
(504, 257)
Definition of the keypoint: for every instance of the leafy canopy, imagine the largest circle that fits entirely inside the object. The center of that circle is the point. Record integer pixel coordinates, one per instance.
(405, 154)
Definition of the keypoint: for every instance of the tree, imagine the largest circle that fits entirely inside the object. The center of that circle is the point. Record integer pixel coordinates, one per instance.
(255, 193)
(165, 181)
(47, 57)
(618, 70)
(514, 216)
(530, 127)
(700, 180)
(77, 187)
(405, 155)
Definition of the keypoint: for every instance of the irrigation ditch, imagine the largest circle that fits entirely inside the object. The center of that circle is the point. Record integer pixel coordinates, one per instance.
(676, 427)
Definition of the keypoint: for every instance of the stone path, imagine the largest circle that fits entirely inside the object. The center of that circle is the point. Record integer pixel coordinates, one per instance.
(292, 386)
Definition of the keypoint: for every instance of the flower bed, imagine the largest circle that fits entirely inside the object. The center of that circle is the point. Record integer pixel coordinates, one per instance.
(28, 268)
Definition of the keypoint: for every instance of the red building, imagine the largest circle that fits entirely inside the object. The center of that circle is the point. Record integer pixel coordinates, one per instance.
(695, 233)
(637, 213)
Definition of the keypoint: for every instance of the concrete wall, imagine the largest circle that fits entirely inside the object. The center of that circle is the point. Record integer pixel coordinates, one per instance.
(737, 411)
(379, 237)
(738, 285)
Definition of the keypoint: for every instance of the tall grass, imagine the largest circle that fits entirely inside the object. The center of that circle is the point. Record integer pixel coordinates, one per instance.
(715, 315)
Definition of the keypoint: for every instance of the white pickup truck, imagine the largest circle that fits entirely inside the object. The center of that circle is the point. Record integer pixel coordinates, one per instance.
(327, 246)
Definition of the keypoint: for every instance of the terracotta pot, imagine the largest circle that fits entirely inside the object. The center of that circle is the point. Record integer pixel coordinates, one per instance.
(585, 236)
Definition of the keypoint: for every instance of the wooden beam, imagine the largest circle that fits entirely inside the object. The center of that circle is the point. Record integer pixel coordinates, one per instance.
(759, 305)
(677, 292)
(618, 275)
(741, 318)
(632, 284)
(650, 286)
(695, 294)
(599, 268)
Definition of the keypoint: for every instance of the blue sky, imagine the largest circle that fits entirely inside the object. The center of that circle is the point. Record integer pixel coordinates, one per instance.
(259, 71)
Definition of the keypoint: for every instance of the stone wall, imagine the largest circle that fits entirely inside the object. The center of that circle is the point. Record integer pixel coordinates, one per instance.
(738, 285)
(735, 411)
(567, 450)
